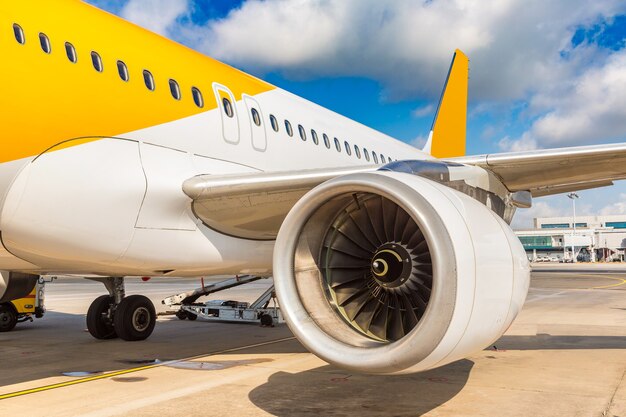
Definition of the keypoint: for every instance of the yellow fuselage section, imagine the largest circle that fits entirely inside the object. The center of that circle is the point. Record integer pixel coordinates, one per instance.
(48, 99)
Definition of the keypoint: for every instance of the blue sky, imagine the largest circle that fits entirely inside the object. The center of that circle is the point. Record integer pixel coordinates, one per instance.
(542, 74)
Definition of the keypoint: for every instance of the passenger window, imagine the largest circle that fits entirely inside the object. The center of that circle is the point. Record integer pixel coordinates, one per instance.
(316, 140)
(347, 145)
(375, 157)
(357, 151)
(326, 140)
(19, 34)
(45, 43)
(366, 154)
(337, 145)
(228, 108)
(96, 61)
(288, 128)
(122, 70)
(174, 89)
(255, 117)
(274, 123)
(71, 52)
(148, 79)
(382, 159)
(197, 97)
(302, 132)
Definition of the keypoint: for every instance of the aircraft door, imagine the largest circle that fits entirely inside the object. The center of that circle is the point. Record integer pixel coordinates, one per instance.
(257, 127)
(227, 107)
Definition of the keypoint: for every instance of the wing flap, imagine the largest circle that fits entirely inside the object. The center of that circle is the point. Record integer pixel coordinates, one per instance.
(253, 206)
(554, 171)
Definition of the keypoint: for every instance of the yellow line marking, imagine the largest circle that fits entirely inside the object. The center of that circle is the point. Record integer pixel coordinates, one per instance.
(131, 370)
(621, 282)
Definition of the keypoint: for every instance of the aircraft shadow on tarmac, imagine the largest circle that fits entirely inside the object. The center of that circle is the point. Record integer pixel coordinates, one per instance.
(58, 344)
(327, 391)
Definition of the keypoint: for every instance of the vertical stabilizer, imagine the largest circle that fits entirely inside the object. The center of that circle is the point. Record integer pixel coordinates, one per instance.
(447, 135)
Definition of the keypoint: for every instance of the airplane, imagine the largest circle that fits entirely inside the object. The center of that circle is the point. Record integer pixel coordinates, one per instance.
(125, 154)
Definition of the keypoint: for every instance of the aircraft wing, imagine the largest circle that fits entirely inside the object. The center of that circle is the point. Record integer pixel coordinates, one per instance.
(554, 171)
(254, 205)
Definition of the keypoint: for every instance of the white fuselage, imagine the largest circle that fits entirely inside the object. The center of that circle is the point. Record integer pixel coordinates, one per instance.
(115, 206)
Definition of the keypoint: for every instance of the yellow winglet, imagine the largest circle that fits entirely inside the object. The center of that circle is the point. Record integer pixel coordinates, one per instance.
(447, 136)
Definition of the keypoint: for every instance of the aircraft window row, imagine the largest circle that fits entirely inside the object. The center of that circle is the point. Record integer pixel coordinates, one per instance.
(98, 65)
(364, 153)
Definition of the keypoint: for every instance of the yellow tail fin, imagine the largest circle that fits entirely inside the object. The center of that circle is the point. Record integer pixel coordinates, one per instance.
(447, 135)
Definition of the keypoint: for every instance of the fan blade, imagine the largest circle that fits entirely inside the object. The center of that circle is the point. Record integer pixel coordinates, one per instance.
(342, 244)
(374, 209)
(342, 260)
(365, 316)
(378, 326)
(395, 330)
(389, 209)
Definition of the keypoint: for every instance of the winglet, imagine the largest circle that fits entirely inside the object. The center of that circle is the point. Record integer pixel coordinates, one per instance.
(447, 135)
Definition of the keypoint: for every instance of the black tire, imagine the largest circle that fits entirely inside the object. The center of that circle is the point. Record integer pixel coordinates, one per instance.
(98, 324)
(8, 317)
(135, 318)
(181, 314)
(267, 320)
(191, 316)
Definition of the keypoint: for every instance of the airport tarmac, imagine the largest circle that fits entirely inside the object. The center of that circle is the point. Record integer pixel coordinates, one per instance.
(565, 355)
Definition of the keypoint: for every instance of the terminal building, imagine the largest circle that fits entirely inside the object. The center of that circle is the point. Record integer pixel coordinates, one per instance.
(594, 238)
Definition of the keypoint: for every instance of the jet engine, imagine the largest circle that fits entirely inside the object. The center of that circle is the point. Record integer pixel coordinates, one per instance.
(14, 285)
(390, 272)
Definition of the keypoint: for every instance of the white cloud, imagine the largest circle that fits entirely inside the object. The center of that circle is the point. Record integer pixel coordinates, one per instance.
(155, 15)
(619, 207)
(591, 108)
(514, 45)
(419, 141)
(526, 143)
(427, 110)
(523, 218)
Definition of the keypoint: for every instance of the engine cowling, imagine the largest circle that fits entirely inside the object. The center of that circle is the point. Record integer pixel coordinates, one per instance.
(389, 272)
(14, 285)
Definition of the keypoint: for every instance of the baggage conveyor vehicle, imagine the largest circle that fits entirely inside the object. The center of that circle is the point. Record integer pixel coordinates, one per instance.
(264, 310)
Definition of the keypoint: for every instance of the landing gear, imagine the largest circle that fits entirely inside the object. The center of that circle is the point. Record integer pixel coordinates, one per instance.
(8, 318)
(100, 318)
(134, 318)
(129, 318)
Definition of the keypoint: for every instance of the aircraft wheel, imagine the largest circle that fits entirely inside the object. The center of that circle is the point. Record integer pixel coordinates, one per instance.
(181, 314)
(99, 323)
(8, 318)
(135, 318)
(191, 316)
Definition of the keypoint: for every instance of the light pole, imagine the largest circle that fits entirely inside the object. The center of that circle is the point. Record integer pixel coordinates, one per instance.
(573, 197)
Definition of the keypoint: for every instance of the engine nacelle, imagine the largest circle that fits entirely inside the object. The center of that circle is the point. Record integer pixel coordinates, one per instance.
(14, 285)
(389, 272)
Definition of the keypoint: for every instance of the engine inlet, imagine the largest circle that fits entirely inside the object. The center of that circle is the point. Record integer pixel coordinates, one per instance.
(376, 268)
